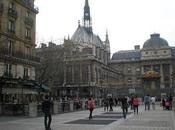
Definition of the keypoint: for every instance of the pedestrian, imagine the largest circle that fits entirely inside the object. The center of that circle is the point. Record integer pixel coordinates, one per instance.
(153, 102)
(91, 105)
(135, 104)
(47, 110)
(147, 101)
(106, 104)
(124, 106)
(111, 103)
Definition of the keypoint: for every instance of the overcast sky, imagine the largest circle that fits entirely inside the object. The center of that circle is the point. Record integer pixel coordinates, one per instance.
(129, 22)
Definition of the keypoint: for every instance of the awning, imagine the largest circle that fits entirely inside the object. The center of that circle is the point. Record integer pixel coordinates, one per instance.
(18, 91)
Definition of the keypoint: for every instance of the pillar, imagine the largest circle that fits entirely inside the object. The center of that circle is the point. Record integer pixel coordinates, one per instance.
(33, 109)
(162, 85)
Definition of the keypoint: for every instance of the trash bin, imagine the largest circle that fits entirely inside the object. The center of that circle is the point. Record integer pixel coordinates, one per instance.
(173, 105)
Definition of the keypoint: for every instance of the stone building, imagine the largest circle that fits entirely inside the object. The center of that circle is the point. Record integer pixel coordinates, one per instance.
(17, 48)
(149, 70)
(85, 63)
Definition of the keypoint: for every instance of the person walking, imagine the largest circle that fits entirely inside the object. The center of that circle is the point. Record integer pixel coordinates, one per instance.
(111, 103)
(135, 104)
(147, 101)
(91, 105)
(153, 102)
(124, 106)
(47, 110)
(106, 104)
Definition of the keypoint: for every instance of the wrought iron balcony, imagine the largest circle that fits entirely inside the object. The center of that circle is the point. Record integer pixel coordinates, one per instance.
(29, 21)
(13, 13)
(8, 75)
(11, 31)
(5, 54)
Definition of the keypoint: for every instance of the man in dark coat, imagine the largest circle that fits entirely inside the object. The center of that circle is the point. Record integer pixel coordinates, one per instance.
(46, 108)
(124, 105)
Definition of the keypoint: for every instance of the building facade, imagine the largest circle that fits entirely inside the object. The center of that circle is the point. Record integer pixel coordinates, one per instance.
(85, 63)
(17, 48)
(149, 70)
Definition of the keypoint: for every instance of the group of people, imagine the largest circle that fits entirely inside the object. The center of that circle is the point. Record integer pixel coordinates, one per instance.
(148, 101)
(108, 103)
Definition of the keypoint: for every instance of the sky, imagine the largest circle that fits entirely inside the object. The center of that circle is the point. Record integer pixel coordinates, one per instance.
(128, 22)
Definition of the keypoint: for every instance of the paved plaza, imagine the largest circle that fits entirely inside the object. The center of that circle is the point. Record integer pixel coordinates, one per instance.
(145, 120)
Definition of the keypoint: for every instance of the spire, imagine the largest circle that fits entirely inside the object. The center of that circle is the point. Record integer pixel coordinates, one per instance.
(87, 17)
(86, 3)
(107, 42)
(107, 38)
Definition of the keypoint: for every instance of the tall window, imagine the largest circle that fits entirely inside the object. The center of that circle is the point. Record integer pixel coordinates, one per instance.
(11, 26)
(10, 47)
(28, 33)
(8, 69)
(12, 6)
(26, 72)
(27, 14)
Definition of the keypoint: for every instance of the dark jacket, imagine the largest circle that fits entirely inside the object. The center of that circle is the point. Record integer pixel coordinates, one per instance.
(46, 107)
(124, 103)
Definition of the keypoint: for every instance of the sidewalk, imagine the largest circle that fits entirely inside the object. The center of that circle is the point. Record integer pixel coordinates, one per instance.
(145, 120)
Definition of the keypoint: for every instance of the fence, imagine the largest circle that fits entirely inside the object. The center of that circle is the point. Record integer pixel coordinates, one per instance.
(35, 109)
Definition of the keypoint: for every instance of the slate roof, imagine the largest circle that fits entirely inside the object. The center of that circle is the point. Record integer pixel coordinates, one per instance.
(155, 42)
(127, 55)
(81, 35)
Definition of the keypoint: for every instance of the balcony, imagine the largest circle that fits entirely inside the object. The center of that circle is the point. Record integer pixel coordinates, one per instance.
(11, 31)
(12, 13)
(28, 21)
(4, 54)
(7, 75)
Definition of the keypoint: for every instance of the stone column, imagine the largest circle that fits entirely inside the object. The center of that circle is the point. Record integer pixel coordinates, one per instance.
(71, 105)
(55, 107)
(80, 72)
(65, 73)
(162, 85)
(0, 108)
(73, 79)
(171, 80)
(33, 109)
(89, 73)
(142, 70)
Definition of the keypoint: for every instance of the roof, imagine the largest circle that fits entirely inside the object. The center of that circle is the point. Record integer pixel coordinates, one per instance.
(82, 35)
(127, 55)
(155, 42)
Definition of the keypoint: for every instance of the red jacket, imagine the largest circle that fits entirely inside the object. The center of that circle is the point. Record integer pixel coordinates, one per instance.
(91, 104)
(135, 101)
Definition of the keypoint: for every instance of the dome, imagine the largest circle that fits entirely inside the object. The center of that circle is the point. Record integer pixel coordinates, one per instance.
(155, 42)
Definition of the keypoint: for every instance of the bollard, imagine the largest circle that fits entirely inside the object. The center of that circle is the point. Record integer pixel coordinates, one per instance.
(0, 109)
(32, 109)
(173, 105)
(83, 104)
(55, 107)
(71, 105)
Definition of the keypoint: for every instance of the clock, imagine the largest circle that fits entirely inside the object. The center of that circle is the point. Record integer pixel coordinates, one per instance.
(86, 14)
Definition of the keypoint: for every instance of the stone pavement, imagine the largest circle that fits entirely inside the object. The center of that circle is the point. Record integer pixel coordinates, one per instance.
(145, 120)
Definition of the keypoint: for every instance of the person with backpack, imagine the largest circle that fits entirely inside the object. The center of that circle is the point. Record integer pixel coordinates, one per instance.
(91, 105)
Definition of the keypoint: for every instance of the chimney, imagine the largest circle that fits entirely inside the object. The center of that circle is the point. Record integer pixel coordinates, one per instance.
(137, 47)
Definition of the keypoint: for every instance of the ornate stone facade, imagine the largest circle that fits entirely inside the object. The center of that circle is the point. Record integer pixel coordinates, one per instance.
(85, 61)
(149, 70)
(17, 45)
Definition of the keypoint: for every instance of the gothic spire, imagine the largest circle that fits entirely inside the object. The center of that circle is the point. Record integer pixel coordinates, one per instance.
(87, 17)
